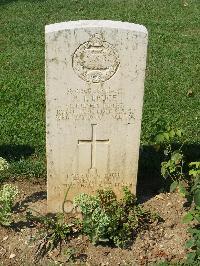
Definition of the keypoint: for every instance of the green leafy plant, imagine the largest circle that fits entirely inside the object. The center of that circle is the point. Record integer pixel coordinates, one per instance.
(105, 219)
(164, 133)
(7, 196)
(195, 182)
(3, 164)
(52, 231)
(173, 169)
(172, 166)
(188, 184)
(70, 254)
(193, 193)
(193, 244)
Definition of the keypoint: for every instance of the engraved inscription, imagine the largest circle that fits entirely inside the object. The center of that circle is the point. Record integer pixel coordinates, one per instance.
(95, 61)
(95, 112)
(95, 180)
(94, 106)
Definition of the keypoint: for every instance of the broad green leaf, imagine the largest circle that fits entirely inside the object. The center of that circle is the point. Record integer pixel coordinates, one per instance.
(197, 217)
(177, 157)
(163, 170)
(179, 132)
(193, 230)
(195, 187)
(197, 197)
(193, 172)
(187, 218)
(159, 138)
(196, 164)
(172, 133)
(182, 189)
(190, 243)
(198, 244)
(191, 257)
(173, 186)
(166, 135)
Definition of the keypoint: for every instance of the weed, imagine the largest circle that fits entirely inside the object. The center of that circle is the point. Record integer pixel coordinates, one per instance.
(3, 164)
(53, 230)
(70, 254)
(7, 196)
(193, 244)
(172, 166)
(195, 182)
(164, 132)
(107, 220)
(188, 184)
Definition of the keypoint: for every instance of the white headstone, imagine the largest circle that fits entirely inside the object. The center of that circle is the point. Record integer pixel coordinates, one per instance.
(94, 95)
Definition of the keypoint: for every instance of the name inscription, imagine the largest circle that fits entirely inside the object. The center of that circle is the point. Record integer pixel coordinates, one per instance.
(95, 105)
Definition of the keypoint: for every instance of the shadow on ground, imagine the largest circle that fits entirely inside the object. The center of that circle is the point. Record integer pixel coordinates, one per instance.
(22, 206)
(16, 152)
(150, 181)
(6, 2)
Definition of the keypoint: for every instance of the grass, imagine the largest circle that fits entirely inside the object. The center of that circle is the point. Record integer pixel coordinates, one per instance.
(172, 69)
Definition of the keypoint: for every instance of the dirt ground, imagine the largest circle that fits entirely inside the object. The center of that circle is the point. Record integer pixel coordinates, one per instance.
(163, 241)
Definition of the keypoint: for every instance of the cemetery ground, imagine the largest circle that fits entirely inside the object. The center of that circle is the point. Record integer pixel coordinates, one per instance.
(163, 241)
(171, 95)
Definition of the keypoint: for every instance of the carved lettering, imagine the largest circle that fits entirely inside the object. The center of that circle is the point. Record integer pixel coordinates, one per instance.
(94, 106)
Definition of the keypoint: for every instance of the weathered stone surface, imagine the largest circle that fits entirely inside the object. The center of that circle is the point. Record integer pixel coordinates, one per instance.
(94, 95)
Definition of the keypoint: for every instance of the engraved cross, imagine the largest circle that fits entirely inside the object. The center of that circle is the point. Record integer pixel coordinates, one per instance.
(93, 142)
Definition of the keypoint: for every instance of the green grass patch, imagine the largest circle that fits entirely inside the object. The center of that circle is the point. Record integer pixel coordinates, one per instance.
(172, 69)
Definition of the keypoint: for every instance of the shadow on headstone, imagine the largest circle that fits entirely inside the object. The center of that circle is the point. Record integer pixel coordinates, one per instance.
(150, 181)
(15, 152)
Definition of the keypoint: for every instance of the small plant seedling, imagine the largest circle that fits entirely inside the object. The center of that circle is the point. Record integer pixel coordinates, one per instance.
(70, 254)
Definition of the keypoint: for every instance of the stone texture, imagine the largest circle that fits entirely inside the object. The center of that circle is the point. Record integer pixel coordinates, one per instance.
(94, 94)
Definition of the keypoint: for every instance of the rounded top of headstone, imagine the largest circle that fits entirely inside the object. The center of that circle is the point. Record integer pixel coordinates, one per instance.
(96, 23)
